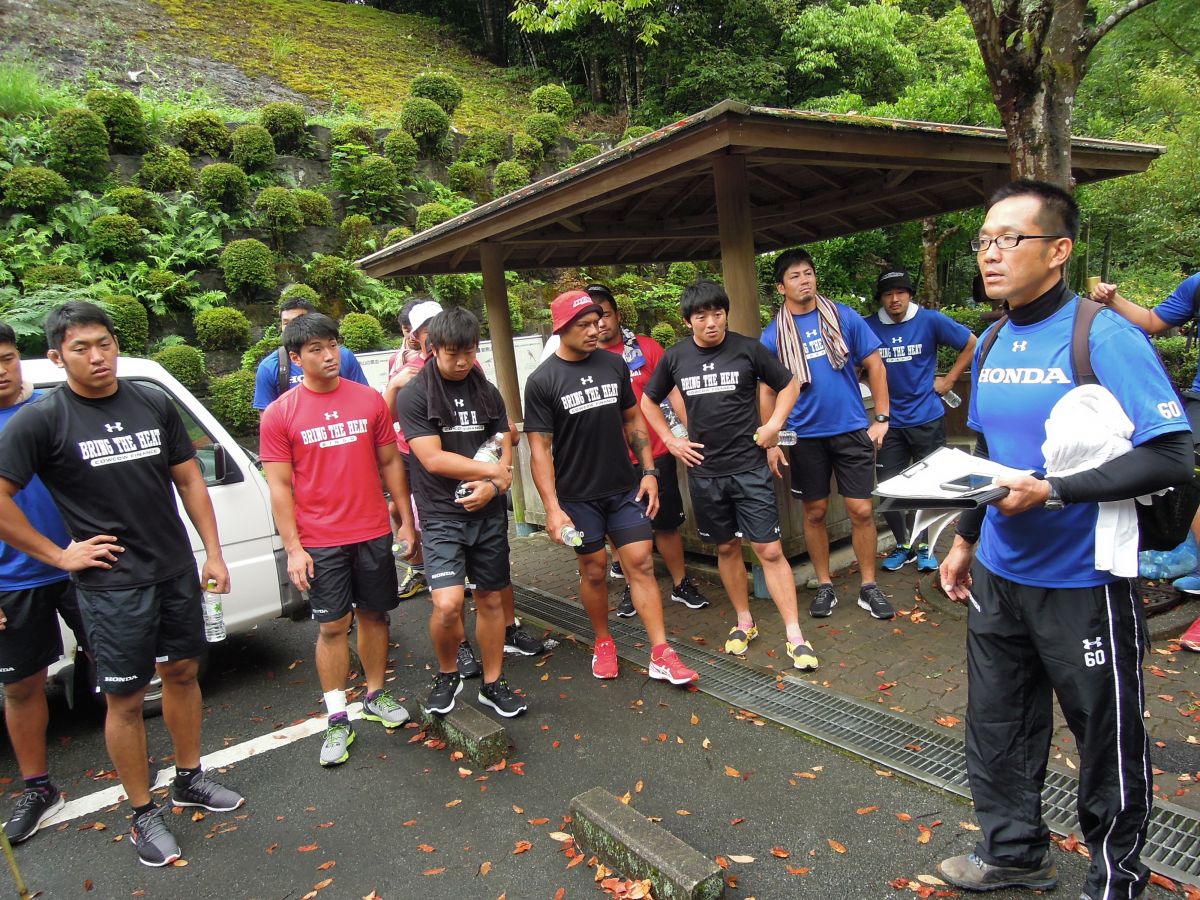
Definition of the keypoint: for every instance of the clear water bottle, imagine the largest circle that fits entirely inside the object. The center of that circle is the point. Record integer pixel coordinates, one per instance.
(400, 550)
(488, 452)
(214, 615)
(786, 438)
(677, 427)
(952, 399)
(570, 537)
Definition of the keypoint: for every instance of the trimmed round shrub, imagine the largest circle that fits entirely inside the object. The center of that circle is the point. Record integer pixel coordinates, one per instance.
(248, 266)
(332, 277)
(509, 176)
(185, 363)
(315, 207)
(222, 328)
(133, 201)
(231, 400)
(553, 98)
(258, 351)
(358, 236)
(582, 153)
(633, 132)
(430, 214)
(37, 277)
(361, 332)
(425, 121)
(441, 88)
(352, 133)
(202, 133)
(115, 236)
(122, 117)
(664, 333)
(78, 147)
(33, 189)
(171, 287)
(465, 177)
(400, 147)
(167, 169)
(224, 184)
(299, 292)
(285, 122)
(374, 183)
(130, 321)
(278, 210)
(485, 146)
(252, 148)
(396, 235)
(528, 149)
(546, 128)
(682, 273)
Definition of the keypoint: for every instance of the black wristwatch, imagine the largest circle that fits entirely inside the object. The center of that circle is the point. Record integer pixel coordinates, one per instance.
(653, 472)
(882, 417)
(1053, 500)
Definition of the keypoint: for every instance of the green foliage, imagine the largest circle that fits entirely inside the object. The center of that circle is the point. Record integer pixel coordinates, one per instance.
(682, 273)
(352, 133)
(166, 169)
(430, 214)
(257, 351)
(528, 149)
(582, 153)
(546, 128)
(78, 147)
(456, 289)
(315, 207)
(426, 122)
(369, 183)
(252, 148)
(509, 176)
(202, 133)
(485, 146)
(333, 277)
(361, 332)
(231, 400)
(628, 309)
(185, 363)
(664, 333)
(115, 236)
(225, 185)
(401, 148)
(133, 201)
(130, 321)
(630, 18)
(440, 87)
(553, 98)
(285, 122)
(633, 132)
(222, 328)
(25, 92)
(122, 117)
(33, 189)
(465, 177)
(35, 278)
(396, 235)
(1180, 364)
(276, 208)
(299, 292)
(970, 316)
(248, 266)
(358, 236)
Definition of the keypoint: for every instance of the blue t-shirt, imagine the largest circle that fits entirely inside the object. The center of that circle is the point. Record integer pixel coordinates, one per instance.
(909, 349)
(1181, 306)
(266, 380)
(832, 403)
(1027, 371)
(18, 571)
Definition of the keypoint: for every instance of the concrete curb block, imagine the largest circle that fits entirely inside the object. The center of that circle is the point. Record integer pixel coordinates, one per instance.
(631, 844)
(481, 739)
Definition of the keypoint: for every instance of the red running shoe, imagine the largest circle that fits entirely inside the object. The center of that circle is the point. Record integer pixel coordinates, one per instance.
(669, 667)
(604, 659)
(1190, 639)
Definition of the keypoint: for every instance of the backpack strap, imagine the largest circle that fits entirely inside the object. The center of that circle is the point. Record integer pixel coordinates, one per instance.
(1081, 355)
(989, 338)
(285, 370)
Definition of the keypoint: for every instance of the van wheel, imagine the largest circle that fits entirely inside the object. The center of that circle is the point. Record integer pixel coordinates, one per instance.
(152, 702)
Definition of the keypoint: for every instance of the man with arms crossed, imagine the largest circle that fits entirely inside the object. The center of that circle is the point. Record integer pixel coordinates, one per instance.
(324, 446)
(109, 452)
(1042, 620)
(582, 421)
(723, 376)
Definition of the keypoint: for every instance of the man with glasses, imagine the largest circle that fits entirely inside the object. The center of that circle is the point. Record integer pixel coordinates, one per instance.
(1042, 620)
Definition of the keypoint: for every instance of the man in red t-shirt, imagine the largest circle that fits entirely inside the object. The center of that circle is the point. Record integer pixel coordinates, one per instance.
(324, 447)
(642, 355)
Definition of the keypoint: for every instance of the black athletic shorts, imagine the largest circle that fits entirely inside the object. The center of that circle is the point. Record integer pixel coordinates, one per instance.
(619, 516)
(352, 576)
(31, 639)
(902, 446)
(851, 456)
(1191, 407)
(131, 629)
(454, 547)
(729, 506)
(670, 502)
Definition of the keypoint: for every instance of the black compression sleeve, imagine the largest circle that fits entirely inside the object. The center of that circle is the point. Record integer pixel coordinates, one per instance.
(1162, 461)
(970, 523)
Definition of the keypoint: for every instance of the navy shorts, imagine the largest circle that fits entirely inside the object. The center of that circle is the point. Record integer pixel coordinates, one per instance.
(31, 639)
(619, 516)
(454, 547)
(352, 576)
(741, 505)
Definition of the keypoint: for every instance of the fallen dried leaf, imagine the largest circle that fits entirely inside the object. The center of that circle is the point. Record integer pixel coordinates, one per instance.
(835, 845)
(425, 848)
(904, 817)
(538, 821)
(521, 847)
(968, 826)
(925, 834)
(695, 719)
(780, 853)
(863, 810)
(1163, 882)
(452, 804)
(932, 880)
(722, 862)
(437, 871)
(798, 870)
(326, 866)
(307, 848)
(732, 772)
(559, 836)
(741, 859)
(484, 867)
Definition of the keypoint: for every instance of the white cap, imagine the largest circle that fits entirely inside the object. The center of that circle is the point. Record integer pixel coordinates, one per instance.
(419, 315)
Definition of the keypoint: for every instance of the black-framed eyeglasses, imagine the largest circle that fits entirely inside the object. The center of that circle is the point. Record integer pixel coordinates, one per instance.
(1008, 241)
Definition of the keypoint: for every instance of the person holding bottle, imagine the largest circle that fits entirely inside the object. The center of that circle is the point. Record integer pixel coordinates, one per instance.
(910, 336)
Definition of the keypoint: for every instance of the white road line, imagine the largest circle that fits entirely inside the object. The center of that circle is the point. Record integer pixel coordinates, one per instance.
(94, 802)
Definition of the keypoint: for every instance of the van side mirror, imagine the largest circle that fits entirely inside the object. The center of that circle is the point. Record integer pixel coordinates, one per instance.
(221, 463)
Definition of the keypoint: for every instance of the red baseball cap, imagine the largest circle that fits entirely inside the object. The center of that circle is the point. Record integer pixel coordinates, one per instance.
(568, 307)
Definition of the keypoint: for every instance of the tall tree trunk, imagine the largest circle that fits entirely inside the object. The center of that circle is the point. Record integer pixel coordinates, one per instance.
(595, 79)
(493, 17)
(929, 294)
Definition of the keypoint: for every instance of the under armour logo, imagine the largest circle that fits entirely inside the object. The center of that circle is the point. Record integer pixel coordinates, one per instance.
(460, 403)
(898, 340)
(586, 380)
(331, 415)
(811, 334)
(708, 367)
(1020, 346)
(114, 426)
(1093, 644)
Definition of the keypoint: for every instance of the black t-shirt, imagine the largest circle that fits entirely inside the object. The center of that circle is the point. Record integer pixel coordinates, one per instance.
(435, 493)
(720, 393)
(582, 404)
(106, 463)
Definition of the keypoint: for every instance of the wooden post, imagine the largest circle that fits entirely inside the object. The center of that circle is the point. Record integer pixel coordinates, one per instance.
(737, 243)
(495, 294)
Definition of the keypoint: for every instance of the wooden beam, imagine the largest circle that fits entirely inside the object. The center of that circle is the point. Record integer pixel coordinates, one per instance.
(571, 223)
(737, 243)
(459, 255)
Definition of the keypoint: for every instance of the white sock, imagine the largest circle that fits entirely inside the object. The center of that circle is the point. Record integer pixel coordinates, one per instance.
(335, 702)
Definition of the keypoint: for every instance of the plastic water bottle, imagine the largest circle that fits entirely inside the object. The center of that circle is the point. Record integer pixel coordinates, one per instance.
(488, 452)
(214, 615)
(952, 399)
(677, 428)
(570, 537)
(400, 550)
(786, 438)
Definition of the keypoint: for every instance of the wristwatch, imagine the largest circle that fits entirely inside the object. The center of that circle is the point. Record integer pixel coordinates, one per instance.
(653, 472)
(882, 417)
(1053, 500)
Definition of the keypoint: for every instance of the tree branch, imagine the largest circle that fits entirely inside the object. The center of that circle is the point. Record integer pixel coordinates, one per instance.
(1090, 38)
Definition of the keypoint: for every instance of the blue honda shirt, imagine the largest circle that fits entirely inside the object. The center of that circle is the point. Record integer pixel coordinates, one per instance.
(1181, 306)
(266, 380)
(909, 349)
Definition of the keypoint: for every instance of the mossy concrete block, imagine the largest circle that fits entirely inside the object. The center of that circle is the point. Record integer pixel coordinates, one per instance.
(629, 843)
(481, 739)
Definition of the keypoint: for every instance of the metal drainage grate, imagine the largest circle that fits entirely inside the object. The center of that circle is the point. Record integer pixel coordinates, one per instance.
(934, 757)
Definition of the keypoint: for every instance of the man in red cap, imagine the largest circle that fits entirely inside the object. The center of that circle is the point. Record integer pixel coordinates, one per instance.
(580, 405)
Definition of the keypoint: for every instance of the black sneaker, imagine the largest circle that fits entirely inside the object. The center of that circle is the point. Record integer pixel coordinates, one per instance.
(33, 808)
(468, 665)
(519, 642)
(875, 601)
(823, 603)
(686, 593)
(446, 686)
(500, 697)
(625, 608)
(614, 570)
(205, 792)
(155, 844)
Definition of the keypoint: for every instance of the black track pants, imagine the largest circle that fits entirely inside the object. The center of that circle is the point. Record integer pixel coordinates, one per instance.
(1084, 645)
(902, 446)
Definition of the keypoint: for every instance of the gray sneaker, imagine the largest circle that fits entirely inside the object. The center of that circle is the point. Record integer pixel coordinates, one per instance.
(385, 710)
(206, 793)
(875, 601)
(155, 844)
(971, 873)
(338, 738)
